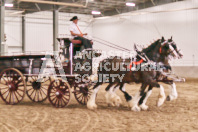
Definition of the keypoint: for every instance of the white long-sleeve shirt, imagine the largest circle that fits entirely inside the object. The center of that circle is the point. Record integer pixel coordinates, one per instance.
(74, 28)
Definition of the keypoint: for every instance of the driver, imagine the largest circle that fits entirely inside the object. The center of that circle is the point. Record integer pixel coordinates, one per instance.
(77, 34)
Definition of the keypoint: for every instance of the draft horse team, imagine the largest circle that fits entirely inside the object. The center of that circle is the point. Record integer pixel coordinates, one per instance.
(158, 53)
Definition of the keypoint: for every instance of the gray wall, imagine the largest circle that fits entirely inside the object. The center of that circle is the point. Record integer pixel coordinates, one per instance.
(186, 71)
(143, 26)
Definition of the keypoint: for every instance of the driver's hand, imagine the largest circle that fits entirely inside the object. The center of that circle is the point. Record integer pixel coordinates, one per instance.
(85, 34)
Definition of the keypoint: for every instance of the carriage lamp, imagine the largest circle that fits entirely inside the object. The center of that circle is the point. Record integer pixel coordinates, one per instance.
(95, 12)
(130, 4)
(8, 5)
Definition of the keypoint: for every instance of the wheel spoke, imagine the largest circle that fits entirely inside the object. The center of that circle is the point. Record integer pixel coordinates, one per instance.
(22, 85)
(13, 98)
(34, 95)
(16, 96)
(32, 92)
(5, 80)
(41, 94)
(46, 81)
(29, 89)
(10, 98)
(43, 91)
(38, 95)
(19, 82)
(3, 84)
(5, 92)
(20, 90)
(7, 95)
(32, 78)
(53, 99)
(65, 98)
(80, 96)
(43, 87)
(4, 88)
(56, 101)
(52, 95)
(19, 94)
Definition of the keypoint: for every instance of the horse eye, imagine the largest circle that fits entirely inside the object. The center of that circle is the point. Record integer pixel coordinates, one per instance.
(167, 46)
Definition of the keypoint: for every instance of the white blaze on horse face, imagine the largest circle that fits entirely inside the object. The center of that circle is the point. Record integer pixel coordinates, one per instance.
(173, 50)
(164, 42)
(161, 97)
(173, 92)
(91, 102)
(180, 52)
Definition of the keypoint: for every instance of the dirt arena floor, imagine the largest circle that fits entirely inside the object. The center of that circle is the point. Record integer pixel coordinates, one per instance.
(178, 115)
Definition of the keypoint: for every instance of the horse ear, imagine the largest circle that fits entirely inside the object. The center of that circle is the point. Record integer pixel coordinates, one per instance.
(171, 37)
(163, 39)
(135, 47)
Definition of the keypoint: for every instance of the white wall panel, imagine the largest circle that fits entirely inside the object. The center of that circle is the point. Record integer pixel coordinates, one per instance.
(13, 33)
(130, 28)
(39, 31)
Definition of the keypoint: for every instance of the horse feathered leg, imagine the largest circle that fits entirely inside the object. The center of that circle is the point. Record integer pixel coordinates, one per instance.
(91, 102)
(128, 98)
(137, 97)
(161, 97)
(109, 94)
(173, 92)
(111, 97)
(143, 100)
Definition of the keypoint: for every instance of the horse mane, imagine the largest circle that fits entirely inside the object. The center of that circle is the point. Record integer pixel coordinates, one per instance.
(151, 46)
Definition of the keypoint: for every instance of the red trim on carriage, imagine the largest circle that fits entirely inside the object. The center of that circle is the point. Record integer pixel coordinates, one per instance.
(136, 63)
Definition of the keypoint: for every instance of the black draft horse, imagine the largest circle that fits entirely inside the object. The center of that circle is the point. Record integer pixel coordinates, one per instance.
(144, 77)
(163, 58)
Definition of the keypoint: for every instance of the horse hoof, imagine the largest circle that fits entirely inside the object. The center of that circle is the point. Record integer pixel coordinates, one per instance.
(117, 101)
(136, 108)
(91, 106)
(144, 107)
(130, 103)
(168, 98)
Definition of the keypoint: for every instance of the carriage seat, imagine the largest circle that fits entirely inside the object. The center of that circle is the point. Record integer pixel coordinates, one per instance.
(78, 43)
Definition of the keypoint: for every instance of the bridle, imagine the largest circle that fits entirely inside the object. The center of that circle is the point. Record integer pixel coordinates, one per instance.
(170, 47)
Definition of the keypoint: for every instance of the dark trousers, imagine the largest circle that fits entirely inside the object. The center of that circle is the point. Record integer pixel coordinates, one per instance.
(85, 42)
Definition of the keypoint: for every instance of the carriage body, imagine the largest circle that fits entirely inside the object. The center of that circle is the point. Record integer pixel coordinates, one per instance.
(33, 75)
(27, 64)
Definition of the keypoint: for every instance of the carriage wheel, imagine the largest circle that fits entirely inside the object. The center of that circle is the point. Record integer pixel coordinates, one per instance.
(12, 86)
(59, 93)
(82, 93)
(37, 88)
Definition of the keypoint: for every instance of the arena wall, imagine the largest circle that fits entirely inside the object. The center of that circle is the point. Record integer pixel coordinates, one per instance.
(39, 31)
(144, 26)
(186, 71)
